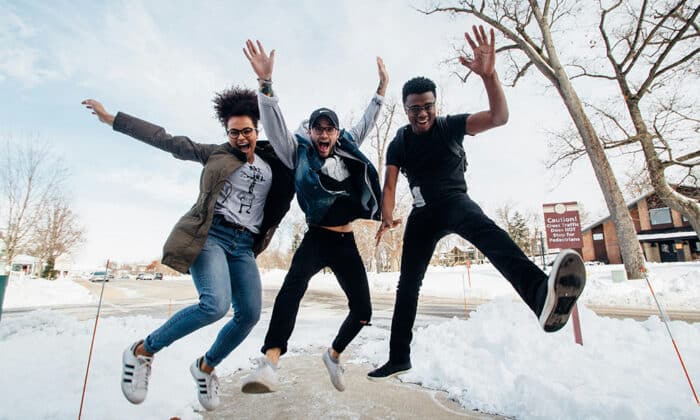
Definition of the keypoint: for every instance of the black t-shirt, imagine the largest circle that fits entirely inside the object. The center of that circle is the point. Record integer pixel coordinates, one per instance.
(433, 169)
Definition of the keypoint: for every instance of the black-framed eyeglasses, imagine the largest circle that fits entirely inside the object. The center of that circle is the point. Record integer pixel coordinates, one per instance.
(247, 132)
(319, 130)
(416, 109)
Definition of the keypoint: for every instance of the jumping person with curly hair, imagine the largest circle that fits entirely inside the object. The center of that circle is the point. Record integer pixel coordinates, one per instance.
(245, 190)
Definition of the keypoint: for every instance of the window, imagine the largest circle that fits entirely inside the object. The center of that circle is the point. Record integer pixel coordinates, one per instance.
(661, 216)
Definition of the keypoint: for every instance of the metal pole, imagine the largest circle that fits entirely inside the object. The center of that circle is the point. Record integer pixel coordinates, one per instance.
(92, 342)
(544, 262)
(577, 325)
(464, 293)
(665, 319)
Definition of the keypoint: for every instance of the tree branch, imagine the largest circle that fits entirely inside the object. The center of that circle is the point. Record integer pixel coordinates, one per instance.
(653, 70)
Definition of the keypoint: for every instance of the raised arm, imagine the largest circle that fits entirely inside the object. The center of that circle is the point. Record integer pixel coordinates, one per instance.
(483, 64)
(388, 201)
(271, 117)
(180, 147)
(360, 131)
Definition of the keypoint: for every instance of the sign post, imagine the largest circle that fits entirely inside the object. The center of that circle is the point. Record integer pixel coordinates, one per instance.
(563, 226)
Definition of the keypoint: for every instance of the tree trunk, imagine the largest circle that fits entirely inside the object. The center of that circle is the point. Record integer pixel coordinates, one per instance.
(686, 206)
(630, 249)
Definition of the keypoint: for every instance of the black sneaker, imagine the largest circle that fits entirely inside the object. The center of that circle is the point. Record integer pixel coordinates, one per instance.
(564, 286)
(388, 370)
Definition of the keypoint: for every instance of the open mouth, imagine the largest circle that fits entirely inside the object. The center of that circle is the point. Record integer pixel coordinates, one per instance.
(423, 123)
(324, 147)
(243, 146)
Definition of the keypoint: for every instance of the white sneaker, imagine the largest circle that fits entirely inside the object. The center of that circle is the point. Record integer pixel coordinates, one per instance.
(564, 286)
(335, 370)
(136, 370)
(263, 379)
(207, 386)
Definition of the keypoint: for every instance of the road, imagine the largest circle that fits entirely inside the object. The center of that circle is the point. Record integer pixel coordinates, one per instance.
(161, 298)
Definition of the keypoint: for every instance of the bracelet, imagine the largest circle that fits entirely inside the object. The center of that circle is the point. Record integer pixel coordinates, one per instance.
(266, 87)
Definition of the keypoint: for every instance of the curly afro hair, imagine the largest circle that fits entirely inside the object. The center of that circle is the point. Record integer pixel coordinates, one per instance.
(418, 85)
(235, 102)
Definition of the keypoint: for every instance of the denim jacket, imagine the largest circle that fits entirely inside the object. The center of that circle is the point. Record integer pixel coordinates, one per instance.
(298, 153)
(315, 200)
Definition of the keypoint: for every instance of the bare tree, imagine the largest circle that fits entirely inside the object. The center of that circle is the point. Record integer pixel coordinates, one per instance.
(29, 180)
(57, 232)
(652, 56)
(384, 132)
(529, 28)
(385, 128)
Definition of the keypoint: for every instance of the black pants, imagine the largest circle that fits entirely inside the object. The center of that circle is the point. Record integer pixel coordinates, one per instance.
(424, 228)
(322, 248)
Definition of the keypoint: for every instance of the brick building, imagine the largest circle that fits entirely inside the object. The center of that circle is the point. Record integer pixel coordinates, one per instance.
(664, 234)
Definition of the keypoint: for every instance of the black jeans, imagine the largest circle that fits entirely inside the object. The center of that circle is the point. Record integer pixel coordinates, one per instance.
(424, 228)
(322, 248)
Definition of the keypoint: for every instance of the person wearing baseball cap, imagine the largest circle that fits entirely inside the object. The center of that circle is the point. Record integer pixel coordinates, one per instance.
(335, 184)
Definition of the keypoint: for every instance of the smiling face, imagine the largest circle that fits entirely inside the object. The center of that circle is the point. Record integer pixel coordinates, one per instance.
(242, 134)
(420, 108)
(324, 135)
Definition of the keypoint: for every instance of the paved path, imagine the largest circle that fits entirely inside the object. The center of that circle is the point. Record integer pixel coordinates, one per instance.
(306, 393)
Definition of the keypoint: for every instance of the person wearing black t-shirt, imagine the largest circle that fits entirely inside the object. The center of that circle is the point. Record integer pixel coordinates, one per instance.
(429, 153)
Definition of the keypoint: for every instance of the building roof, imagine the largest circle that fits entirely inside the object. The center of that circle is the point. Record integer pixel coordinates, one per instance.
(631, 204)
(686, 234)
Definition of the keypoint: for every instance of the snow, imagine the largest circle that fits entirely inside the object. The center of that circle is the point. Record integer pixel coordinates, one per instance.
(32, 292)
(497, 361)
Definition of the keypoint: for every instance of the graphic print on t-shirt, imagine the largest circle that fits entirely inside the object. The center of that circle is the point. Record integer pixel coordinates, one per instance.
(253, 176)
(243, 195)
(249, 174)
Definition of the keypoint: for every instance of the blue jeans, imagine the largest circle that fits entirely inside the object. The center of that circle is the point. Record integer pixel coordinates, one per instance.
(224, 273)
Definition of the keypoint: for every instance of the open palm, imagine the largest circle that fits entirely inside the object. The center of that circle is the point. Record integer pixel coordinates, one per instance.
(261, 62)
(484, 55)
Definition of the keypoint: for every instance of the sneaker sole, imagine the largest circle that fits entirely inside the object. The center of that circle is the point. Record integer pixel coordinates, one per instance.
(563, 290)
(386, 378)
(256, 388)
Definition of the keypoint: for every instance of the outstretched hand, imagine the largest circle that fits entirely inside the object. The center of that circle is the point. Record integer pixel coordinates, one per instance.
(484, 52)
(99, 110)
(261, 62)
(383, 77)
(386, 225)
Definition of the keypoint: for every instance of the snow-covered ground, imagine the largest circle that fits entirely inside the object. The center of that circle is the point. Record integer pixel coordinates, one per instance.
(497, 361)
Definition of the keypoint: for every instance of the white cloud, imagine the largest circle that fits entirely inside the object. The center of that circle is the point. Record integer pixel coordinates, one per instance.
(18, 58)
(164, 60)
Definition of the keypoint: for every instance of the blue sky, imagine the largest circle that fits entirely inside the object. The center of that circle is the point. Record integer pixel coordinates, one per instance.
(162, 61)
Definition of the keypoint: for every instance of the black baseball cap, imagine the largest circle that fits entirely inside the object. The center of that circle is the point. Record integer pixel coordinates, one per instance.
(324, 112)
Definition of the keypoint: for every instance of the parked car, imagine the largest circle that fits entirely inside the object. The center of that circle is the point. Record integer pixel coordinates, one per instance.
(99, 276)
(158, 276)
(145, 276)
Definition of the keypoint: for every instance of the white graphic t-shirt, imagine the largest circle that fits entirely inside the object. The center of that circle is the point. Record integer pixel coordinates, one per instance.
(242, 198)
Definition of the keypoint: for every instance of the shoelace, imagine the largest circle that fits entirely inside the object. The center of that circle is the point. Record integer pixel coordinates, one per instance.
(213, 386)
(143, 373)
